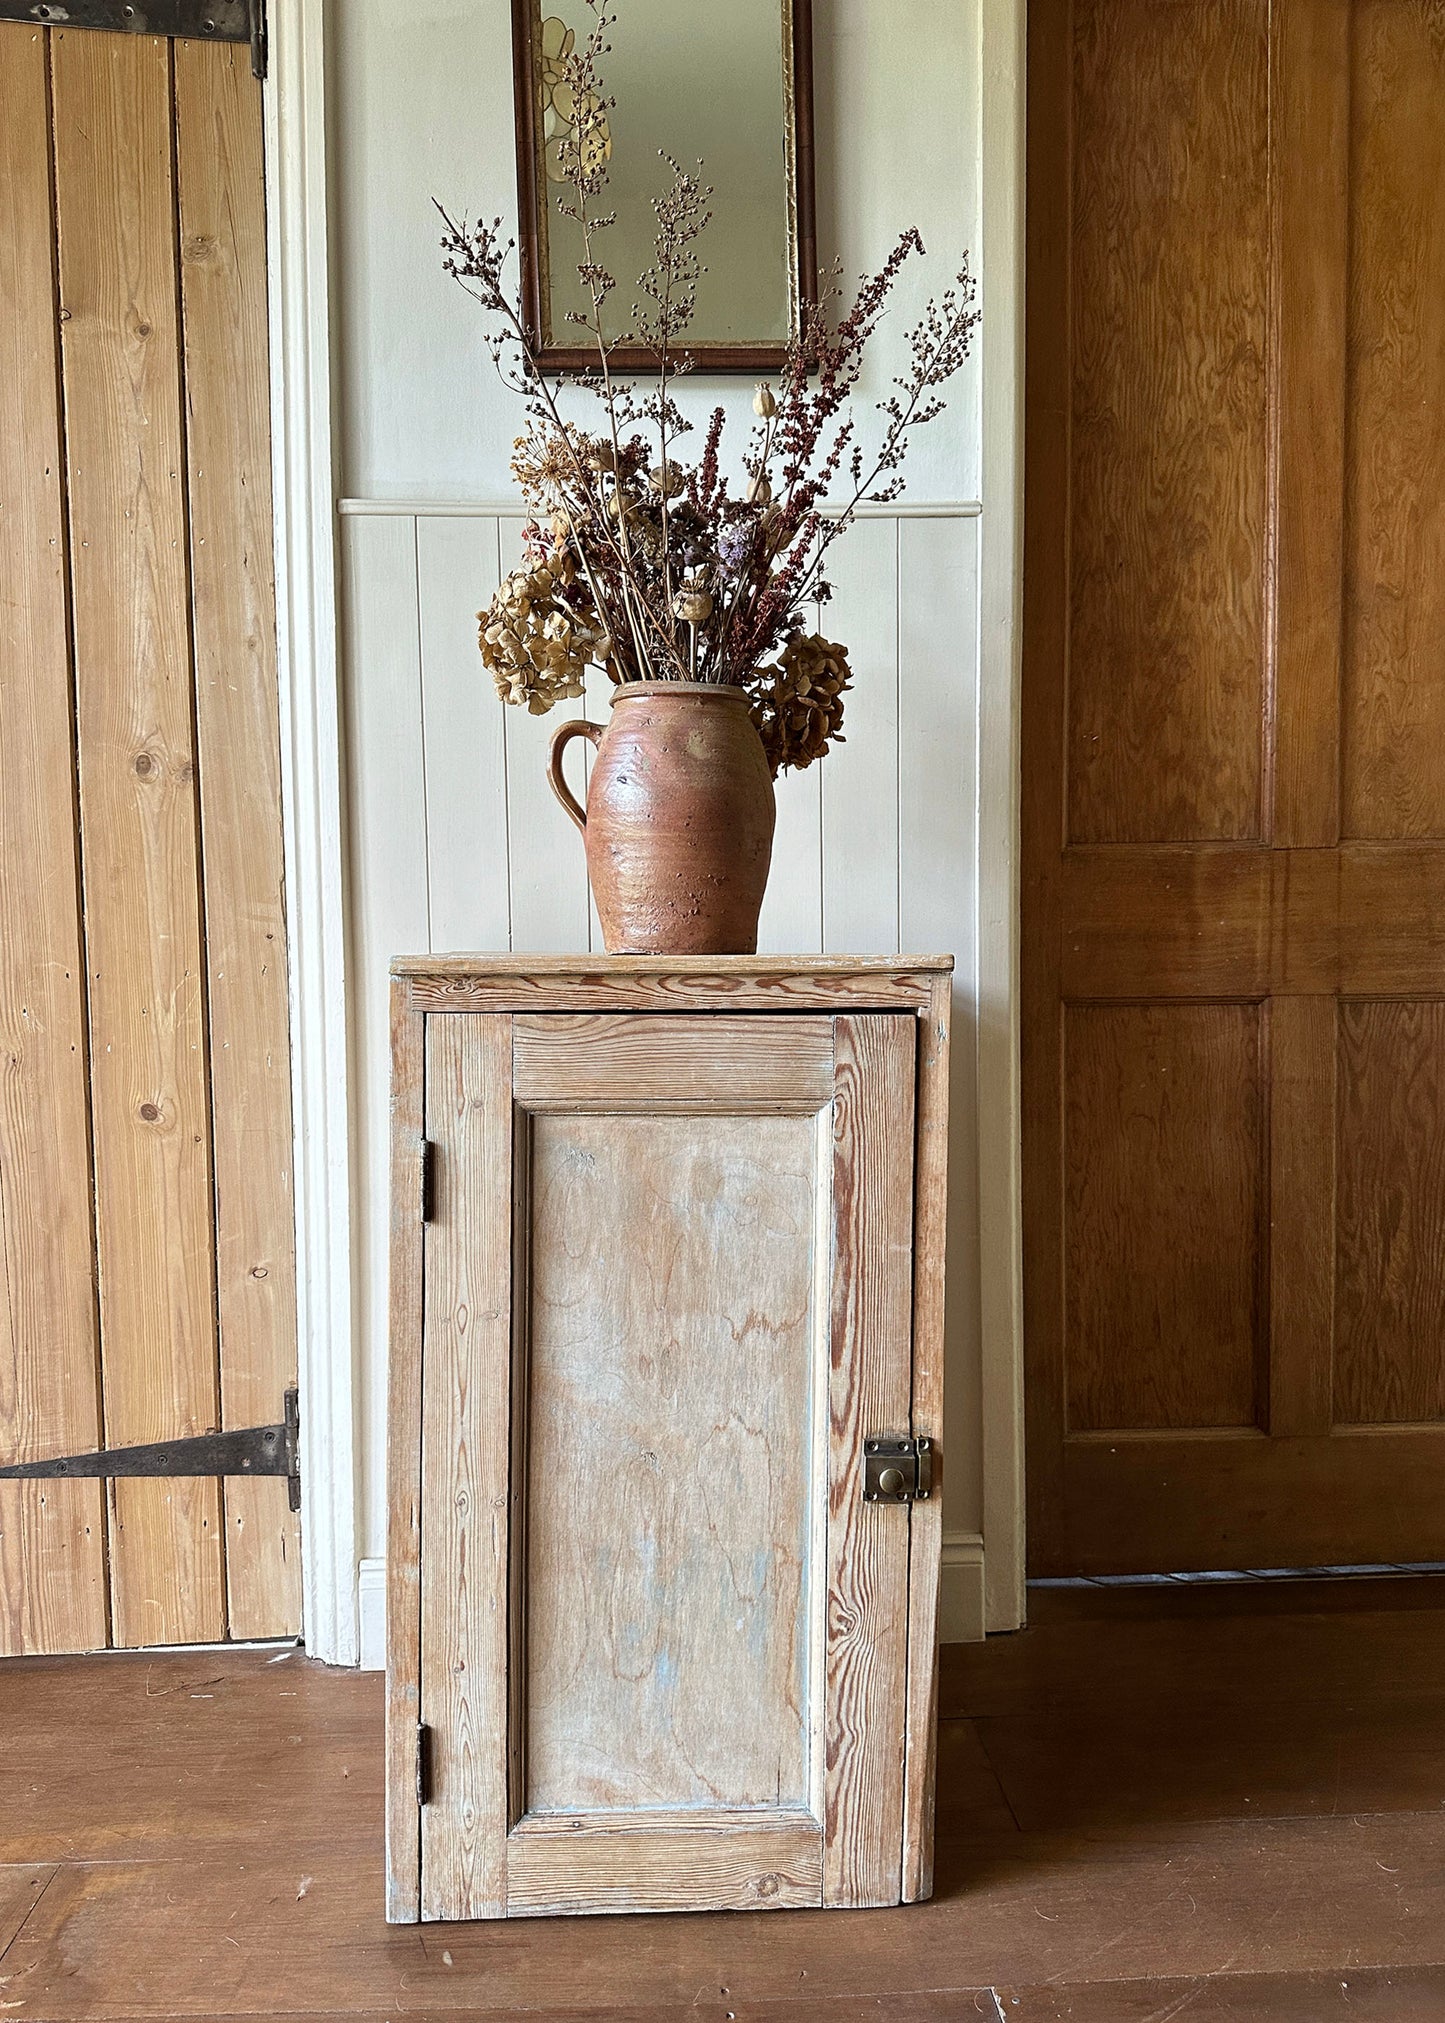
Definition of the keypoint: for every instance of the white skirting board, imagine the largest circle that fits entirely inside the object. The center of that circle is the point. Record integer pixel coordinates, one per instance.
(960, 1611)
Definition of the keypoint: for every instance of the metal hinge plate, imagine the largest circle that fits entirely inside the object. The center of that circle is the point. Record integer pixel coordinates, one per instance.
(238, 1450)
(897, 1469)
(196, 20)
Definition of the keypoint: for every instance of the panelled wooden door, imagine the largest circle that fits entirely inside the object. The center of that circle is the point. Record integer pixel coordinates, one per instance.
(145, 1129)
(667, 1295)
(1234, 784)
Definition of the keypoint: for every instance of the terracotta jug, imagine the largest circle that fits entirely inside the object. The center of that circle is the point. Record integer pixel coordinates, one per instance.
(679, 819)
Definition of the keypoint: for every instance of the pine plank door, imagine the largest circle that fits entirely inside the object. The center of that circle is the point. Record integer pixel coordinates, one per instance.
(145, 1136)
(1234, 782)
(667, 1291)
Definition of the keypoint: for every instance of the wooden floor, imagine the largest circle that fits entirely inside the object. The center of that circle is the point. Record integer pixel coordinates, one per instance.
(1215, 1804)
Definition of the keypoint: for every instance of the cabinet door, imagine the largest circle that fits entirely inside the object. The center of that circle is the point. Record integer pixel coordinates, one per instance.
(667, 1296)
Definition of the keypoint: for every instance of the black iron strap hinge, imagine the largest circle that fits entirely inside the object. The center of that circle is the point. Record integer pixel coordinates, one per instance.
(897, 1469)
(428, 1180)
(239, 1450)
(423, 1763)
(191, 20)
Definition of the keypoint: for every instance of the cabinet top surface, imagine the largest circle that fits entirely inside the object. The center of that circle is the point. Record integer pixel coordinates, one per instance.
(812, 968)
(681, 983)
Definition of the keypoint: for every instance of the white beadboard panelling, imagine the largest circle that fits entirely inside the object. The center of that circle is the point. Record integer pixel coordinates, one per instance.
(463, 738)
(791, 922)
(860, 775)
(937, 799)
(551, 912)
(937, 606)
(388, 888)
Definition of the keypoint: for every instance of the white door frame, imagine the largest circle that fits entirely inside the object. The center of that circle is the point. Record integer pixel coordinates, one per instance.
(303, 504)
(304, 496)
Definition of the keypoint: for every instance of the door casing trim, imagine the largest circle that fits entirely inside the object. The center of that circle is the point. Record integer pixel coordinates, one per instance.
(1001, 86)
(303, 494)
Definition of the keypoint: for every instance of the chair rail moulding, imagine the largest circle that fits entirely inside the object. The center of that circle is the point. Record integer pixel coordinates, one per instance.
(514, 509)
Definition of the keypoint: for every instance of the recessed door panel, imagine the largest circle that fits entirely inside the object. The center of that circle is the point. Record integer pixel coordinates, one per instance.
(673, 1412)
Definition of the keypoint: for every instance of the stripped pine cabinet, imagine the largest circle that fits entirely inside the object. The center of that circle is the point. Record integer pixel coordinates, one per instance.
(666, 1263)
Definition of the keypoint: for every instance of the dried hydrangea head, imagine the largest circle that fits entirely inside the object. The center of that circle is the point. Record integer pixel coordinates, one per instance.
(799, 709)
(535, 648)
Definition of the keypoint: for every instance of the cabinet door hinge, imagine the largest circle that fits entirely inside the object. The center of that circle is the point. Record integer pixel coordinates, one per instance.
(897, 1469)
(423, 1763)
(428, 1180)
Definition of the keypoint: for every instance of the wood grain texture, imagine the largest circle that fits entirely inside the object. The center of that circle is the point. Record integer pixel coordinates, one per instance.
(1302, 1183)
(680, 983)
(686, 1064)
(52, 1535)
(1394, 679)
(1390, 1256)
(925, 1521)
(404, 1462)
(867, 1656)
(21, 1888)
(1168, 266)
(138, 815)
(1211, 1498)
(1309, 255)
(625, 1863)
(1164, 1164)
(1178, 923)
(222, 221)
(675, 1333)
(466, 1467)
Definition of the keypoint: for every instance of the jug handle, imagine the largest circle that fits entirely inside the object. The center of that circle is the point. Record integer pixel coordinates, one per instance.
(561, 738)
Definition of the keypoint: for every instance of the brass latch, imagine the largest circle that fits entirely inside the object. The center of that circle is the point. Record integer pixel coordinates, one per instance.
(897, 1469)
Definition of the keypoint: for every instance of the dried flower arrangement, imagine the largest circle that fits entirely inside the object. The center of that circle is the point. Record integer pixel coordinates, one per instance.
(636, 562)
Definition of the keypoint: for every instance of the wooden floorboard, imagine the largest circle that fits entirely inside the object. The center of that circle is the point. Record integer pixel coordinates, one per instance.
(20, 1891)
(1374, 1995)
(1218, 1817)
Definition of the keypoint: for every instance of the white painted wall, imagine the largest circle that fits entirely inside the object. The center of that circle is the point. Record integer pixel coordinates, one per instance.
(454, 840)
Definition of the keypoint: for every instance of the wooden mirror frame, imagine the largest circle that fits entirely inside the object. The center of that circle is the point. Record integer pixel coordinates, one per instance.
(798, 157)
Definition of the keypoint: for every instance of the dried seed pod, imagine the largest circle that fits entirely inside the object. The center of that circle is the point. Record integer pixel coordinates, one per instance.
(764, 401)
(693, 605)
(759, 492)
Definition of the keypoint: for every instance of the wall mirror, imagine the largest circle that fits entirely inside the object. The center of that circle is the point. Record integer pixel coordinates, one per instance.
(725, 81)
